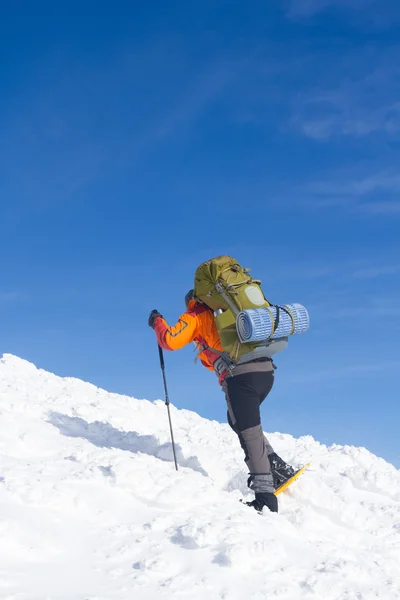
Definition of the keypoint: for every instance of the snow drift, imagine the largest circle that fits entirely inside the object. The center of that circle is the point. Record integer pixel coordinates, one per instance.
(92, 508)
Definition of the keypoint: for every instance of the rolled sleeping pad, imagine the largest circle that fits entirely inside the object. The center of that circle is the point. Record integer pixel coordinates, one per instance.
(257, 324)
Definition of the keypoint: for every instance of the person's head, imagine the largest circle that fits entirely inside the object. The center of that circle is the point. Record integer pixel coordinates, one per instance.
(189, 296)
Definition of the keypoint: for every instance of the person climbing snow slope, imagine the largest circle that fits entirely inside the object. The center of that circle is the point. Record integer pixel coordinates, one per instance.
(246, 385)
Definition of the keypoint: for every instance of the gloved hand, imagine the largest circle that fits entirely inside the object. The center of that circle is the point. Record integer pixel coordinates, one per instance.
(153, 316)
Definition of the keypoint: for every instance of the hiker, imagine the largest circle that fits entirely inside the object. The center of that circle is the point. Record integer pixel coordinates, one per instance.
(246, 385)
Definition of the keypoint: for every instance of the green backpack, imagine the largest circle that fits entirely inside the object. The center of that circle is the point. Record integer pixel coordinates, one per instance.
(226, 287)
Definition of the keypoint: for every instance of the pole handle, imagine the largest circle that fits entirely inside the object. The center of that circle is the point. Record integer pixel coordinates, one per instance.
(161, 354)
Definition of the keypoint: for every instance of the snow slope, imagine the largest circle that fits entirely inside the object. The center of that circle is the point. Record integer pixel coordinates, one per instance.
(91, 507)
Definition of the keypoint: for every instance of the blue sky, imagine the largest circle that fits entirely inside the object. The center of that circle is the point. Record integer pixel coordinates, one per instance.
(137, 141)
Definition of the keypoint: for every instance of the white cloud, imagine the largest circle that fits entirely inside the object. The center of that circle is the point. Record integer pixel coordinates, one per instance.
(355, 95)
(352, 114)
(375, 194)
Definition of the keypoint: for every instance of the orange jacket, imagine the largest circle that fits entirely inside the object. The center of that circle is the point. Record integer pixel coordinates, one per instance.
(194, 325)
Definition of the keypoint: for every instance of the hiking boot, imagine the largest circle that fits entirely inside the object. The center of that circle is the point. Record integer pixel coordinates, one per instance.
(281, 471)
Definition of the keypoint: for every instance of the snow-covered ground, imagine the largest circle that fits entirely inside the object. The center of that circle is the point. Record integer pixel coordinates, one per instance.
(91, 507)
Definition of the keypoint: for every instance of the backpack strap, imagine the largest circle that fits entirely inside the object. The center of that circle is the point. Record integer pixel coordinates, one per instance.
(223, 356)
(220, 288)
(276, 323)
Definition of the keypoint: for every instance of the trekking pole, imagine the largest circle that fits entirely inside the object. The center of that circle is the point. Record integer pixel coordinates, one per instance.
(160, 350)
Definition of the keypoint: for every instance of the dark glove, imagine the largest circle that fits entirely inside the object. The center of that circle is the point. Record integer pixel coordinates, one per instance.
(153, 316)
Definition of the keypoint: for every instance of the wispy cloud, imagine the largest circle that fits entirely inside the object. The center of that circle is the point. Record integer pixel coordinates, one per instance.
(358, 307)
(375, 194)
(355, 95)
(381, 208)
(354, 110)
(195, 97)
(376, 272)
(362, 186)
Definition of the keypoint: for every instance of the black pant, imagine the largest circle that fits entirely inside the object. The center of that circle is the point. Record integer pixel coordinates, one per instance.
(245, 392)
